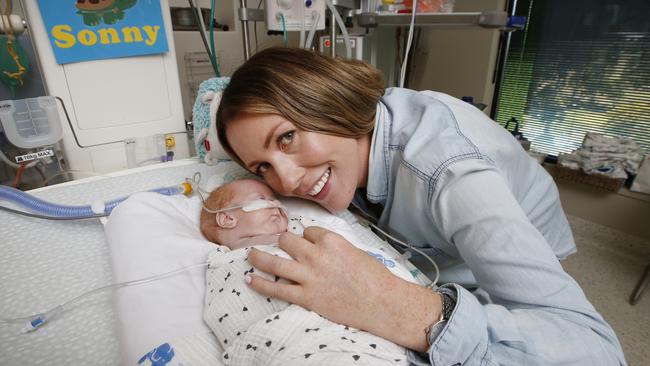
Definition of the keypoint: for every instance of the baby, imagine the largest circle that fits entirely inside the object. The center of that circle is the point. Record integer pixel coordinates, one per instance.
(257, 330)
(236, 228)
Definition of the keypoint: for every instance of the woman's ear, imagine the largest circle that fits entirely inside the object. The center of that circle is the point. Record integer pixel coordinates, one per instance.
(225, 220)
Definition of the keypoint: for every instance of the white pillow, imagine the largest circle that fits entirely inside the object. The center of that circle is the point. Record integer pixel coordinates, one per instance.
(150, 234)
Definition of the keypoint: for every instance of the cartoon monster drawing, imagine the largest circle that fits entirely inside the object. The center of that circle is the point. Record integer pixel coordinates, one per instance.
(159, 356)
(108, 11)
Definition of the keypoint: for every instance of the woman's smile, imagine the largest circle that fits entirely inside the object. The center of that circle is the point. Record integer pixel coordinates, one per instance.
(318, 191)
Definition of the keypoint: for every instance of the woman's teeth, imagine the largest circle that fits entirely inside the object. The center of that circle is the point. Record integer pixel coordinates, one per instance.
(321, 183)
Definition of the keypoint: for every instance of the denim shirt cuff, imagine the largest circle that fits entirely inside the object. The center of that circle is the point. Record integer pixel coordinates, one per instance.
(463, 332)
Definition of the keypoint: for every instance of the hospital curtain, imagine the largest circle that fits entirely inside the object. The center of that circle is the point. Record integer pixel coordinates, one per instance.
(578, 66)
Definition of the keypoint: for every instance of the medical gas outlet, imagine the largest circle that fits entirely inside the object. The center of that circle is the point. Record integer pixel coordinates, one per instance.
(298, 14)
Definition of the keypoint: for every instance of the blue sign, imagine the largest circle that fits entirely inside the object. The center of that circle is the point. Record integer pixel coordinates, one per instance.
(84, 30)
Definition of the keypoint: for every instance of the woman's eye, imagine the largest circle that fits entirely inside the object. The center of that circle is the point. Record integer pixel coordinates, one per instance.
(262, 168)
(286, 138)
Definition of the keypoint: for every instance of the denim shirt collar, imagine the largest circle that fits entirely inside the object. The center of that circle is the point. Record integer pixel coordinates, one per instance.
(377, 187)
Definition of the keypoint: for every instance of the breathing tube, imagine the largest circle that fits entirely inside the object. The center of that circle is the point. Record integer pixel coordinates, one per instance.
(48, 210)
(33, 322)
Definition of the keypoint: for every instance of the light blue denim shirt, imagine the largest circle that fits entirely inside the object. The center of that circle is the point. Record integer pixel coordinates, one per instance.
(453, 182)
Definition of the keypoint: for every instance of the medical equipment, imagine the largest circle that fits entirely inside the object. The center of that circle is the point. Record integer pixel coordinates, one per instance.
(402, 75)
(312, 31)
(113, 99)
(299, 14)
(250, 206)
(369, 221)
(48, 210)
(407, 254)
(360, 45)
(15, 21)
(31, 123)
(247, 206)
(31, 131)
(197, 13)
(33, 322)
(341, 24)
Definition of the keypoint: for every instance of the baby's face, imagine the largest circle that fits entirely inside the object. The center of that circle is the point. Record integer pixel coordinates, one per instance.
(265, 221)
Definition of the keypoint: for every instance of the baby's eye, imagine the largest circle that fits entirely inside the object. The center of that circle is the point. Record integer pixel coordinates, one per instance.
(286, 138)
(262, 168)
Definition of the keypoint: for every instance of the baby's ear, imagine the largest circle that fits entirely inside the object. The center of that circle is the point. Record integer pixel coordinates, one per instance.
(225, 220)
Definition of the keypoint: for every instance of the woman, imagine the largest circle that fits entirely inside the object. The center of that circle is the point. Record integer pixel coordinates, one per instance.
(435, 172)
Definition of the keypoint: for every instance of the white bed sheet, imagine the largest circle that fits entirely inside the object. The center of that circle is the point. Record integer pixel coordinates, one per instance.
(44, 263)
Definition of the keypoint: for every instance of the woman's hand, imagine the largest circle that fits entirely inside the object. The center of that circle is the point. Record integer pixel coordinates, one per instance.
(347, 286)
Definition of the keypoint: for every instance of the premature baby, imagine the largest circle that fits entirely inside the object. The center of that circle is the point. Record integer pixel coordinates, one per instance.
(257, 330)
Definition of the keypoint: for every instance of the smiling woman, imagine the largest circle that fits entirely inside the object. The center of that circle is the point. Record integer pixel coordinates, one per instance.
(305, 138)
(435, 171)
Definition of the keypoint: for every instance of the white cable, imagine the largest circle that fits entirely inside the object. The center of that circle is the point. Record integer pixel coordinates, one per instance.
(402, 74)
(312, 31)
(409, 247)
(201, 22)
(35, 321)
(339, 21)
(14, 21)
(302, 24)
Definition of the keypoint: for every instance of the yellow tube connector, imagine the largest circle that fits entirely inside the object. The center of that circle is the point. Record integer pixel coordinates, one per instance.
(186, 188)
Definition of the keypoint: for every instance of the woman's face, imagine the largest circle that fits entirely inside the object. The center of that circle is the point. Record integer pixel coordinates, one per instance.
(322, 168)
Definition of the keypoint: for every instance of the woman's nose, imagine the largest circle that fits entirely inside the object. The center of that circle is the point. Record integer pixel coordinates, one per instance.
(289, 176)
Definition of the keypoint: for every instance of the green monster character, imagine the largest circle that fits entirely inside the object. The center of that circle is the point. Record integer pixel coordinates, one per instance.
(108, 11)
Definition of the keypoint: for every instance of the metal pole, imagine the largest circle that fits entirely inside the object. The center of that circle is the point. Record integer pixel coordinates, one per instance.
(244, 25)
(332, 34)
(500, 69)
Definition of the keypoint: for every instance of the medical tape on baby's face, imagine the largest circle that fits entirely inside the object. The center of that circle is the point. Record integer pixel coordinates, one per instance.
(252, 205)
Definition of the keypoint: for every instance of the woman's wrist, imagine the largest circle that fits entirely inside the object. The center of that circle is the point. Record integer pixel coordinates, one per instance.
(406, 315)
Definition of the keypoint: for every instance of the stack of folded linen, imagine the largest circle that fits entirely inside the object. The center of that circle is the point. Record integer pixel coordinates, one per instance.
(613, 157)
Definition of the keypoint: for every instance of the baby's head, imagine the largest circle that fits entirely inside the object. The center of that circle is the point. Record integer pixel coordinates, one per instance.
(230, 227)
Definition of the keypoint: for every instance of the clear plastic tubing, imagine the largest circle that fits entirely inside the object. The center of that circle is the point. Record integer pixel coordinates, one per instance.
(312, 31)
(346, 36)
(27, 201)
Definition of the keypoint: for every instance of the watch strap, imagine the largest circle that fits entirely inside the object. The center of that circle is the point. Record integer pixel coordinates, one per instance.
(448, 306)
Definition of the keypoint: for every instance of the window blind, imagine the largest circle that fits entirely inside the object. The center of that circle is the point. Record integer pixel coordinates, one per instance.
(577, 67)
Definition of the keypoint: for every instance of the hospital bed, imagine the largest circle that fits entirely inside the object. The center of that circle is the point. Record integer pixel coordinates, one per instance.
(45, 263)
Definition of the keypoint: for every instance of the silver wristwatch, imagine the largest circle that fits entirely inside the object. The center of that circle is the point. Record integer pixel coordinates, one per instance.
(448, 306)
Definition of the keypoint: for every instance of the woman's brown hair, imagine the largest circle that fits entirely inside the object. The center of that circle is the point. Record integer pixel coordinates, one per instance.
(315, 92)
